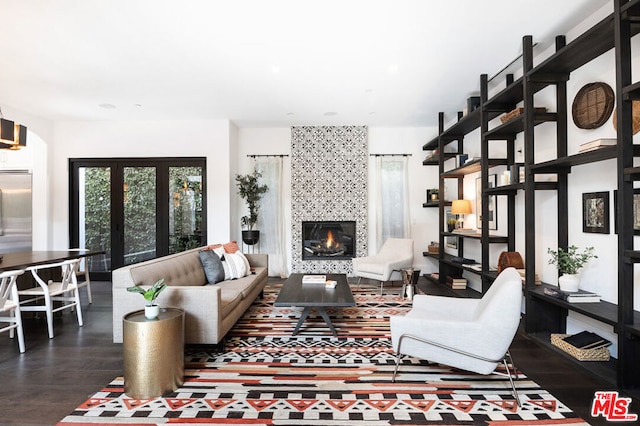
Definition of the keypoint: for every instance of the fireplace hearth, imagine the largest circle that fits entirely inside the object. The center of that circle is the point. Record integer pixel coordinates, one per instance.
(329, 240)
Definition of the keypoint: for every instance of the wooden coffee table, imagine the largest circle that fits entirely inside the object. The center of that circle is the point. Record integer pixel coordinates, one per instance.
(315, 296)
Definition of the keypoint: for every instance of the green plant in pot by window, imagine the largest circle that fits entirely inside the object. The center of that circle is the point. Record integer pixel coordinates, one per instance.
(451, 224)
(251, 191)
(150, 294)
(569, 262)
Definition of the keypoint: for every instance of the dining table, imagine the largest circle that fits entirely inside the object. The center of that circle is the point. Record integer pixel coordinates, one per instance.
(25, 259)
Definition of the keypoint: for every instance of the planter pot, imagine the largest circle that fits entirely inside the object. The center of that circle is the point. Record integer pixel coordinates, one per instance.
(451, 227)
(151, 311)
(250, 237)
(569, 282)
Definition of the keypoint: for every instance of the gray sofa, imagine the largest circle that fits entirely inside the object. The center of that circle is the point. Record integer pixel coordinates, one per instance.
(210, 309)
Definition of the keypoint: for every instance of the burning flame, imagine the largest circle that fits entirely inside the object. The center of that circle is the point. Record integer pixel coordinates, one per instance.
(329, 242)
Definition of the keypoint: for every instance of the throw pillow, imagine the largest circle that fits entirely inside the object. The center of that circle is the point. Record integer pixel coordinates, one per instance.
(230, 247)
(212, 265)
(234, 266)
(246, 262)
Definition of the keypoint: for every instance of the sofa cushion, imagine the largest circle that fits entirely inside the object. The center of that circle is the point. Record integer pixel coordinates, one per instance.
(234, 266)
(213, 269)
(230, 297)
(180, 269)
(230, 247)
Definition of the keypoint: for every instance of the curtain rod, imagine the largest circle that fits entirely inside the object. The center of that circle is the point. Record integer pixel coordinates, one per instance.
(390, 155)
(267, 155)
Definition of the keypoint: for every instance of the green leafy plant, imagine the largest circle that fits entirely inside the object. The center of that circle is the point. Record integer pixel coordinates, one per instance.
(251, 191)
(151, 293)
(451, 221)
(570, 261)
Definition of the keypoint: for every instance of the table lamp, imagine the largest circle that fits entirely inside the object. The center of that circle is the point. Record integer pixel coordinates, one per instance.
(460, 208)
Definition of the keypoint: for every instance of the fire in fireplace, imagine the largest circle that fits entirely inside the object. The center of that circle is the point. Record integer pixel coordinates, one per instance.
(328, 240)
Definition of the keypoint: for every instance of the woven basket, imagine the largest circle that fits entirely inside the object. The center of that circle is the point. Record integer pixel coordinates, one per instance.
(517, 112)
(635, 115)
(600, 354)
(592, 105)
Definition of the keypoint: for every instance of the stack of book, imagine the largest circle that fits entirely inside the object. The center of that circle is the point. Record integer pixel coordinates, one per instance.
(587, 340)
(596, 144)
(457, 283)
(314, 279)
(580, 296)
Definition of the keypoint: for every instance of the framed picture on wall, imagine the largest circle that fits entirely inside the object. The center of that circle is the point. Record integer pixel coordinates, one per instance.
(636, 211)
(595, 212)
(493, 204)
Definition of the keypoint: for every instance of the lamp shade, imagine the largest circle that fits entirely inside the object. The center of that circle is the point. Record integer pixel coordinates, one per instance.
(460, 207)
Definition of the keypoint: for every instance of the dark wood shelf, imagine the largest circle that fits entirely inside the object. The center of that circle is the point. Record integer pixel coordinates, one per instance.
(603, 369)
(431, 204)
(478, 236)
(505, 189)
(472, 167)
(431, 162)
(602, 311)
(516, 125)
(444, 290)
(564, 164)
(506, 99)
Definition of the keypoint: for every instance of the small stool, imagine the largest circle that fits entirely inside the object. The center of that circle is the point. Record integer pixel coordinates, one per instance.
(153, 353)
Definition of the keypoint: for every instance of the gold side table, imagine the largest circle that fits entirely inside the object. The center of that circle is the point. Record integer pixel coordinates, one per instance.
(153, 353)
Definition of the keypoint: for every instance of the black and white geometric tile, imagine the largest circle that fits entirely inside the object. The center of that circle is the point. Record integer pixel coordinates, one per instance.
(328, 182)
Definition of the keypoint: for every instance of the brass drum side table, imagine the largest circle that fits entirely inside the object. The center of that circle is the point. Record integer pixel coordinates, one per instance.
(153, 353)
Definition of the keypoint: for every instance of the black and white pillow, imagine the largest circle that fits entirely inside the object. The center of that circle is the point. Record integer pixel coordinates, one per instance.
(234, 266)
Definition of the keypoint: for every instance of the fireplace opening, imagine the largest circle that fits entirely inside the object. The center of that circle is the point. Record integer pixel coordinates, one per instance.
(329, 240)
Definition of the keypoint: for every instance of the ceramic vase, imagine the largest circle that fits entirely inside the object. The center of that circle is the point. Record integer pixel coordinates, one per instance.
(569, 282)
(151, 311)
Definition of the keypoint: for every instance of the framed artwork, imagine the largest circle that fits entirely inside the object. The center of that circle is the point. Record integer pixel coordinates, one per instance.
(636, 211)
(452, 242)
(493, 204)
(595, 212)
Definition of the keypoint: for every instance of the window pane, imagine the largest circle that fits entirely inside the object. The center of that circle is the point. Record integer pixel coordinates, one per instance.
(95, 215)
(185, 208)
(139, 214)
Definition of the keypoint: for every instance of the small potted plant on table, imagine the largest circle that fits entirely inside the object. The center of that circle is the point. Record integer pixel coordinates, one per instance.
(569, 263)
(151, 310)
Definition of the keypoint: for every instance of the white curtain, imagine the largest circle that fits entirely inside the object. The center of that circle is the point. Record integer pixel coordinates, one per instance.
(392, 210)
(271, 217)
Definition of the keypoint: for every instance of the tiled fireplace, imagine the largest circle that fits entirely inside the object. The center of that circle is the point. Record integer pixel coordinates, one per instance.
(328, 184)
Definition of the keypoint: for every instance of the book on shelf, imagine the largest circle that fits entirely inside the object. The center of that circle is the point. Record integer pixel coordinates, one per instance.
(466, 231)
(457, 283)
(597, 144)
(314, 279)
(587, 340)
(580, 296)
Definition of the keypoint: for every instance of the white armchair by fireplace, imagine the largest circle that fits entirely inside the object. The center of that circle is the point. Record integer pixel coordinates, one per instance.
(396, 254)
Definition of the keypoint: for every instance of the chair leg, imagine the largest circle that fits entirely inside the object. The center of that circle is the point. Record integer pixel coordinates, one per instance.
(19, 330)
(381, 285)
(88, 287)
(78, 308)
(395, 370)
(513, 385)
(358, 286)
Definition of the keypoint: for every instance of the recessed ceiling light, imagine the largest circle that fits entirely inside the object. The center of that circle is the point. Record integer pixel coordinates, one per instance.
(107, 106)
(290, 114)
(330, 114)
(372, 113)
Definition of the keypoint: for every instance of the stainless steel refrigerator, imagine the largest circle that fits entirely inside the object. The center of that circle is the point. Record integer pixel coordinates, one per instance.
(15, 211)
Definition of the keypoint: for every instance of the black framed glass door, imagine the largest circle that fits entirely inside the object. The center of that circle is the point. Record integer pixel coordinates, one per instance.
(136, 209)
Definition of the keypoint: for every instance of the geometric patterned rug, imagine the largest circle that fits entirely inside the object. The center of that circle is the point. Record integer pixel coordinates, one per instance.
(266, 376)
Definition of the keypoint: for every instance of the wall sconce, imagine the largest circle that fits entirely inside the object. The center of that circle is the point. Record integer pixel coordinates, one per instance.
(12, 136)
(460, 208)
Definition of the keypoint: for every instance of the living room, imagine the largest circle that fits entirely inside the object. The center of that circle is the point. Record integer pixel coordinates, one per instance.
(125, 129)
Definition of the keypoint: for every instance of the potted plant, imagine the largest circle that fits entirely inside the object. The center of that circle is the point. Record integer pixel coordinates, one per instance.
(451, 224)
(569, 263)
(151, 310)
(251, 191)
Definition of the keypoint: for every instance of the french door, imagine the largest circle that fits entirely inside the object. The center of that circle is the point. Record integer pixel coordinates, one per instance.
(136, 209)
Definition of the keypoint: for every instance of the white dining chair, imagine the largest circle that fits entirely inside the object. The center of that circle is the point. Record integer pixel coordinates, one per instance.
(82, 274)
(64, 291)
(10, 306)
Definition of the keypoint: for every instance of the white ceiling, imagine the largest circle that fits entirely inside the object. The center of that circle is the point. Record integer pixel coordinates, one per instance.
(264, 62)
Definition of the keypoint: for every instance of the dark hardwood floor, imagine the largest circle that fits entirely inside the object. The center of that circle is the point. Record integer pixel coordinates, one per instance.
(54, 376)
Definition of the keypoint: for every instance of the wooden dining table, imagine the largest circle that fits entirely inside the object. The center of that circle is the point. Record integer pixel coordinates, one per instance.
(24, 259)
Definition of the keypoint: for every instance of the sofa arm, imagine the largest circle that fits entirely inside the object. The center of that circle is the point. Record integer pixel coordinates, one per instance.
(257, 260)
